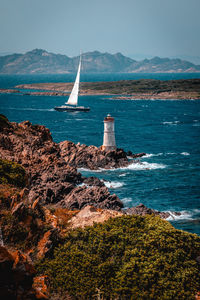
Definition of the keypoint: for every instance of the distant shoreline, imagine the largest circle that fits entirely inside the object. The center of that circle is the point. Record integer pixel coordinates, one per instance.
(144, 89)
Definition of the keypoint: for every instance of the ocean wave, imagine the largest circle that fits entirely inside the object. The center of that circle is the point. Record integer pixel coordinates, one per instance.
(145, 166)
(92, 171)
(82, 184)
(171, 123)
(136, 166)
(126, 200)
(184, 215)
(151, 155)
(171, 153)
(185, 153)
(113, 184)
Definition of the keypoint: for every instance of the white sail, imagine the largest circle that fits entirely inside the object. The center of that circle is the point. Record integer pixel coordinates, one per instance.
(73, 98)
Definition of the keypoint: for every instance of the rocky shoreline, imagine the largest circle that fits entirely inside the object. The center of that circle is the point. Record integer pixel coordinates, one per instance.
(51, 168)
(43, 196)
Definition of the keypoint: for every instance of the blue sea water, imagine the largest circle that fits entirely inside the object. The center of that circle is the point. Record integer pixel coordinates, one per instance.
(166, 179)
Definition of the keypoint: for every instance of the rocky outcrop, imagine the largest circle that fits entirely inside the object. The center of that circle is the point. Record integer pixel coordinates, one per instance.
(91, 157)
(90, 215)
(97, 196)
(51, 168)
(142, 210)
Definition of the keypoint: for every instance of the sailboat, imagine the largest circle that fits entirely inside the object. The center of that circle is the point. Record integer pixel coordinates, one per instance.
(72, 103)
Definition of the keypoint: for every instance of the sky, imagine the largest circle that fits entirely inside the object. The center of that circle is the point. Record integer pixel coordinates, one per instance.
(136, 28)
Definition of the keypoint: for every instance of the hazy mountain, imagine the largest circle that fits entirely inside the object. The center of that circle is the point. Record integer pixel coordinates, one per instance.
(41, 61)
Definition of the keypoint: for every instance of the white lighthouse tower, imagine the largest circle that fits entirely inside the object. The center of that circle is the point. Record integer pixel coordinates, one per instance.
(109, 134)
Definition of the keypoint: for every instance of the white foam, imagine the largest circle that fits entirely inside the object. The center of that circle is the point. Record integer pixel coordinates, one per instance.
(184, 215)
(171, 123)
(185, 153)
(113, 184)
(151, 155)
(167, 123)
(145, 166)
(136, 166)
(92, 171)
(170, 153)
(82, 184)
(122, 175)
(126, 200)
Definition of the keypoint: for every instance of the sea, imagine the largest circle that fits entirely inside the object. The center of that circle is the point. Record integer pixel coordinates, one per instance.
(167, 178)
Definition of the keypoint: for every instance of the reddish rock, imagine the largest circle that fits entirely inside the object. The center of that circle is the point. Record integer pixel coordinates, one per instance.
(51, 167)
(91, 157)
(142, 210)
(90, 215)
(47, 243)
(93, 181)
(97, 196)
(41, 286)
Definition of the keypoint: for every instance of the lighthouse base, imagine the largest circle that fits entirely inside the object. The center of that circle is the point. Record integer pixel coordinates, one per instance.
(108, 148)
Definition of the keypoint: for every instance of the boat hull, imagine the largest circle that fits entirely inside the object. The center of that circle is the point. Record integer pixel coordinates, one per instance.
(69, 108)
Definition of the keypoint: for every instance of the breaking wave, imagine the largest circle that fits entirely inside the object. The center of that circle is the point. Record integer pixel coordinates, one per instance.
(113, 184)
(185, 153)
(184, 215)
(151, 155)
(145, 166)
(136, 166)
(126, 200)
(171, 123)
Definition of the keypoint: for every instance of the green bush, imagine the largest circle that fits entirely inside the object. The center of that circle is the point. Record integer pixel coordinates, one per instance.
(12, 173)
(129, 257)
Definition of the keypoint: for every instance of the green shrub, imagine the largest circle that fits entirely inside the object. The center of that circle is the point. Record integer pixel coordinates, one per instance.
(129, 257)
(12, 173)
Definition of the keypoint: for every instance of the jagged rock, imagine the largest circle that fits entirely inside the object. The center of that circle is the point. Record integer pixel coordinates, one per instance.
(91, 157)
(51, 167)
(142, 210)
(93, 181)
(97, 196)
(90, 215)
(129, 153)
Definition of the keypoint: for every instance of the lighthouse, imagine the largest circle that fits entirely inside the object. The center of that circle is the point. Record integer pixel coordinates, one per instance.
(109, 134)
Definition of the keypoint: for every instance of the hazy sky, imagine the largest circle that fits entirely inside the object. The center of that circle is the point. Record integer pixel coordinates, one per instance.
(132, 27)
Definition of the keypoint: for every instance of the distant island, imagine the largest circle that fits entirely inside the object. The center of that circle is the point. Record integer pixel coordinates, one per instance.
(123, 89)
(39, 61)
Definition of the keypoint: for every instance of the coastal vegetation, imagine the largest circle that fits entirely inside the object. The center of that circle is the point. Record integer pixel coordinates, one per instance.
(12, 173)
(137, 89)
(129, 257)
(145, 85)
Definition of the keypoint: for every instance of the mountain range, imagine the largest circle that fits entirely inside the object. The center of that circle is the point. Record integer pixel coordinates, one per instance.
(39, 61)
